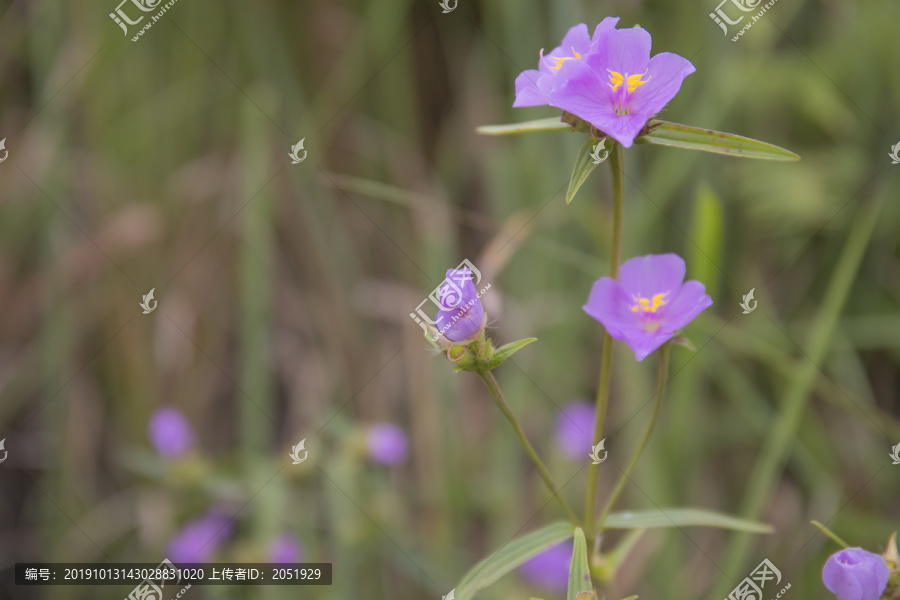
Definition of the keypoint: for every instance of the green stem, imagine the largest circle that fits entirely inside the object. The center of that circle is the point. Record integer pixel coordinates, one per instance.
(494, 388)
(660, 398)
(616, 166)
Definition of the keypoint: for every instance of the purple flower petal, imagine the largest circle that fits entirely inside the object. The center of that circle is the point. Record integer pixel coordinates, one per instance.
(666, 72)
(855, 574)
(461, 316)
(527, 91)
(170, 433)
(387, 444)
(649, 302)
(648, 275)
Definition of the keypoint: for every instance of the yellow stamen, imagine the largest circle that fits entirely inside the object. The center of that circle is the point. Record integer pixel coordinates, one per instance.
(644, 305)
(634, 81)
(561, 59)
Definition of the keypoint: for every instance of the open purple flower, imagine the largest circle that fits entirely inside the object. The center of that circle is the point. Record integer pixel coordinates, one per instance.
(461, 316)
(615, 86)
(387, 444)
(533, 86)
(575, 429)
(199, 539)
(170, 433)
(649, 302)
(855, 574)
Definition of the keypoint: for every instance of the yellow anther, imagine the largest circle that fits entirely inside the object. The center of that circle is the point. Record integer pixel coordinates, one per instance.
(643, 304)
(559, 60)
(634, 81)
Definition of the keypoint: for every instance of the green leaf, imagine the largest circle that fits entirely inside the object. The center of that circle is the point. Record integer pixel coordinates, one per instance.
(580, 586)
(682, 517)
(584, 164)
(664, 133)
(550, 124)
(632, 597)
(511, 556)
(507, 350)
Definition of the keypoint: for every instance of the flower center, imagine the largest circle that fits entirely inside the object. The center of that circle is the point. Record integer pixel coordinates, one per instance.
(649, 306)
(628, 83)
(557, 61)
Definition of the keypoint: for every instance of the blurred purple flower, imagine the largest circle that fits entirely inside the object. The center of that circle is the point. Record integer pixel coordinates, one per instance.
(855, 574)
(285, 549)
(532, 86)
(387, 444)
(615, 85)
(649, 302)
(199, 539)
(575, 429)
(461, 316)
(550, 568)
(170, 433)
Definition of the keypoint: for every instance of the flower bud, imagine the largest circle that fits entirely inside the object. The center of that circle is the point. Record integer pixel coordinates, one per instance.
(855, 574)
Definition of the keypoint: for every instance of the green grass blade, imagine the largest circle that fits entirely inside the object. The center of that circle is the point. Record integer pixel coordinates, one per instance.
(682, 517)
(511, 556)
(549, 124)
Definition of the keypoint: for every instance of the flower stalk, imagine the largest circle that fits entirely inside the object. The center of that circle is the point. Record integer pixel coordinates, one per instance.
(616, 166)
(494, 388)
(660, 398)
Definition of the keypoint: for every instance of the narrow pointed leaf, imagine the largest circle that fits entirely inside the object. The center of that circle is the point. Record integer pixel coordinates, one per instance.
(664, 133)
(550, 124)
(507, 350)
(511, 556)
(580, 586)
(584, 164)
(682, 517)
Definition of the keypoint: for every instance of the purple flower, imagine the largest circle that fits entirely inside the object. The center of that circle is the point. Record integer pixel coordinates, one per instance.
(199, 539)
(575, 429)
(550, 568)
(461, 316)
(649, 302)
(615, 85)
(855, 574)
(387, 444)
(285, 549)
(170, 433)
(532, 86)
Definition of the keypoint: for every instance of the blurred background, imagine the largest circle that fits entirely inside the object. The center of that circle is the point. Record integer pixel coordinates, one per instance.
(284, 292)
